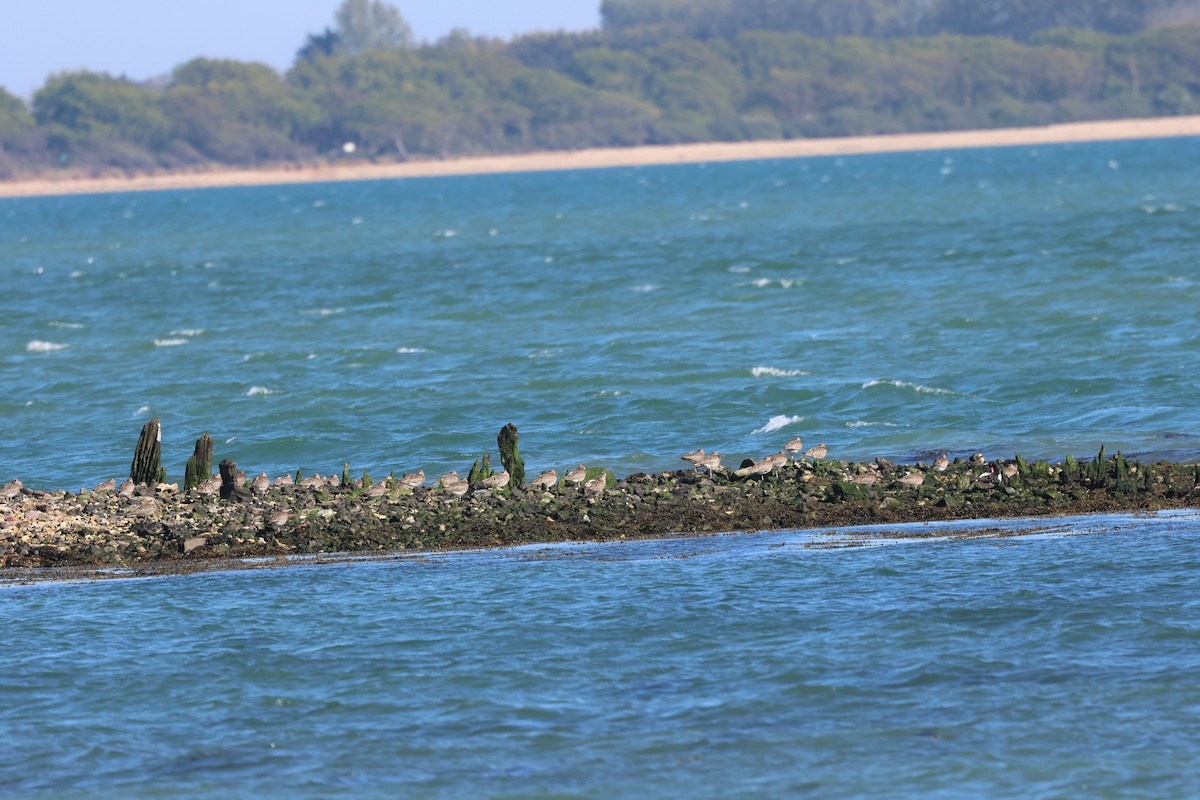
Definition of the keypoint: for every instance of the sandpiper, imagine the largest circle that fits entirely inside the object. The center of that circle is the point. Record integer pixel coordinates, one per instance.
(1011, 470)
(497, 481)
(376, 490)
(694, 456)
(868, 478)
(596, 485)
(127, 488)
(457, 488)
(758, 468)
(448, 478)
(284, 480)
(577, 475)
(794, 446)
(209, 487)
(710, 462)
(817, 453)
(108, 486)
(261, 484)
(547, 480)
(941, 463)
(913, 479)
(12, 488)
(413, 479)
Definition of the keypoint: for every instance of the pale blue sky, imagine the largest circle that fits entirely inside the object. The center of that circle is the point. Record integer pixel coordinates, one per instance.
(146, 38)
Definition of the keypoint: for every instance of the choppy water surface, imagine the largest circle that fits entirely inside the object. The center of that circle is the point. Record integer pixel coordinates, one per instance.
(1060, 664)
(1040, 300)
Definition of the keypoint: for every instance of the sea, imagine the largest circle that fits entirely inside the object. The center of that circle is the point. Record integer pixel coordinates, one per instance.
(1034, 300)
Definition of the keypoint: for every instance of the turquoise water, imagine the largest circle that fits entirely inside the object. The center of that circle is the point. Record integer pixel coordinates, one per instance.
(1059, 665)
(1040, 300)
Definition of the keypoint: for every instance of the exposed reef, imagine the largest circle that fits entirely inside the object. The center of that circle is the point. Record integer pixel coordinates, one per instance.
(236, 517)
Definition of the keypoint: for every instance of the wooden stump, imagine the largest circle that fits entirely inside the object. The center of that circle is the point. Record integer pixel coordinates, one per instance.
(510, 457)
(230, 488)
(199, 466)
(147, 458)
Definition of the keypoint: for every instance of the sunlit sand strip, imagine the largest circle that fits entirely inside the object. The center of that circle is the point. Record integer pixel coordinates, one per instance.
(600, 158)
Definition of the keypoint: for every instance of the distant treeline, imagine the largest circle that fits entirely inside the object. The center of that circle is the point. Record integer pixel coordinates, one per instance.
(658, 72)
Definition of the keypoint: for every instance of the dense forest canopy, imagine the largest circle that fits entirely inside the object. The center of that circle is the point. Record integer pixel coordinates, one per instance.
(657, 72)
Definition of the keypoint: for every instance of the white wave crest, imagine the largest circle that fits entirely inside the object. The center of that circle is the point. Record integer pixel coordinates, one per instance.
(916, 387)
(169, 342)
(861, 424)
(38, 346)
(776, 423)
(189, 332)
(411, 350)
(773, 372)
(259, 391)
(69, 325)
(142, 411)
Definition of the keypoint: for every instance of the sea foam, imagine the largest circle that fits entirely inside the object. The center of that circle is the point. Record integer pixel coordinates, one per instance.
(258, 391)
(169, 342)
(38, 346)
(773, 372)
(916, 387)
(776, 423)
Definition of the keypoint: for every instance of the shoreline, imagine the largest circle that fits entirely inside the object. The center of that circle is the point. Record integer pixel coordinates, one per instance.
(158, 530)
(613, 157)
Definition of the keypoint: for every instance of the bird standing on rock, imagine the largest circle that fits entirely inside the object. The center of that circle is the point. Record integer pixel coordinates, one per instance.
(694, 456)
(710, 462)
(817, 453)
(577, 475)
(941, 463)
(794, 446)
(497, 481)
(596, 485)
(913, 479)
(547, 480)
(413, 479)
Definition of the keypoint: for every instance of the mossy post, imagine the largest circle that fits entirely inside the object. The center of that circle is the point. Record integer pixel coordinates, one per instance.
(199, 466)
(510, 457)
(481, 470)
(147, 458)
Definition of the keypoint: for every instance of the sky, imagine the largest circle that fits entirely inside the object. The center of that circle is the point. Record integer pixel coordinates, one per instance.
(143, 39)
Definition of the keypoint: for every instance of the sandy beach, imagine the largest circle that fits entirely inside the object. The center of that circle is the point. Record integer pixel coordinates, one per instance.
(601, 158)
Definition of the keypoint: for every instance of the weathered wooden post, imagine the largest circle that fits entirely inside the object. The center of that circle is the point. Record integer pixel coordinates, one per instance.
(230, 488)
(480, 470)
(509, 456)
(199, 466)
(147, 458)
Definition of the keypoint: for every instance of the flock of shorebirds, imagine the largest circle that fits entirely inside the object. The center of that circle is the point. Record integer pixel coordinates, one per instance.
(994, 474)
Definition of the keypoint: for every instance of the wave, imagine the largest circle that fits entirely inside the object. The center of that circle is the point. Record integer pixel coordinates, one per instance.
(861, 424)
(916, 387)
(259, 391)
(776, 423)
(189, 332)
(38, 346)
(773, 372)
(407, 350)
(69, 325)
(170, 342)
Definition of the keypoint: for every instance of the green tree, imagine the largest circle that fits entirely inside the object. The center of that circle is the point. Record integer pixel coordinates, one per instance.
(371, 25)
(99, 120)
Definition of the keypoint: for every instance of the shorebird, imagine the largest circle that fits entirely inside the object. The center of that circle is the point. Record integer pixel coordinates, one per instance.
(547, 480)
(457, 488)
(12, 488)
(449, 477)
(376, 490)
(989, 479)
(577, 475)
(777, 460)
(312, 482)
(108, 486)
(127, 488)
(869, 478)
(794, 446)
(261, 484)
(817, 453)
(1011, 470)
(413, 479)
(941, 463)
(758, 468)
(284, 480)
(209, 487)
(694, 456)
(596, 485)
(912, 479)
(710, 462)
(497, 481)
